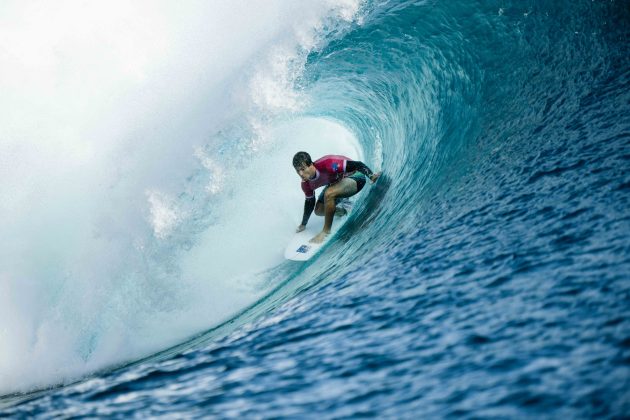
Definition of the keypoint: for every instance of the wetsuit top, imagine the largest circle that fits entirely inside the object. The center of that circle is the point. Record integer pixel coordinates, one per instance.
(330, 169)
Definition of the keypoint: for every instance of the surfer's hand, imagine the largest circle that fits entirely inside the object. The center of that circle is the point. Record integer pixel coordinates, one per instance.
(300, 228)
(319, 238)
(374, 177)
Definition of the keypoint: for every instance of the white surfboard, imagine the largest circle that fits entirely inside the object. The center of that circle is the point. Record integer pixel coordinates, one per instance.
(300, 249)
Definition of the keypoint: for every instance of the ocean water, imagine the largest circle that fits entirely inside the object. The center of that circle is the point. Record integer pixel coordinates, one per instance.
(147, 194)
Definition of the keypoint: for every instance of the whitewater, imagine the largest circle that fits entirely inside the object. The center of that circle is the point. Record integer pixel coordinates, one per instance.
(147, 195)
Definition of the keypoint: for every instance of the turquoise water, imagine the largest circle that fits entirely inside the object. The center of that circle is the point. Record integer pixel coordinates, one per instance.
(487, 275)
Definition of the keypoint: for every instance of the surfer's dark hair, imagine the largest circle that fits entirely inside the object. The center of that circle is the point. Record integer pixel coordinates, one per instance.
(300, 159)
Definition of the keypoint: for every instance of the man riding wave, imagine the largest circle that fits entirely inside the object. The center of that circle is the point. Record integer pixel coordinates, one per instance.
(341, 177)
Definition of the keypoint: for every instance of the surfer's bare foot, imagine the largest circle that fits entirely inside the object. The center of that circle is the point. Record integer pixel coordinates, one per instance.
(375, 176)
(319, 238)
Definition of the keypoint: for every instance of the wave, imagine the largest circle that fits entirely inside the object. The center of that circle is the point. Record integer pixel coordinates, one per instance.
(147, 190)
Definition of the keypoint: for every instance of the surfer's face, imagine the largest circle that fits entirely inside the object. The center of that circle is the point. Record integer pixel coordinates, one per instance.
(306, 172)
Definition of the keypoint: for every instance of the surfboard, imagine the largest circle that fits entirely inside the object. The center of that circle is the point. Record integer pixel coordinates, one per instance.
(299, 247)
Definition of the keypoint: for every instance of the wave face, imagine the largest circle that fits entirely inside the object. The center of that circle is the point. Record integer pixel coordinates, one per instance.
(488, 275)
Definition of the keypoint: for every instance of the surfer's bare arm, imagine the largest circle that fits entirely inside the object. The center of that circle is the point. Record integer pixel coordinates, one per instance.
(355, 165)
(309, 205)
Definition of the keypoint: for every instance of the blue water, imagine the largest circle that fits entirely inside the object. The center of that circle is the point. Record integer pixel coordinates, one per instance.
(488, 273)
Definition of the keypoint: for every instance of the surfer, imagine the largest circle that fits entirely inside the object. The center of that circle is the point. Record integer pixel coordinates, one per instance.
(341, 177)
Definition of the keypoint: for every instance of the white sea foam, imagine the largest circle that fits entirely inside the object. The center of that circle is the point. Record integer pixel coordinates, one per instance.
(126, 217)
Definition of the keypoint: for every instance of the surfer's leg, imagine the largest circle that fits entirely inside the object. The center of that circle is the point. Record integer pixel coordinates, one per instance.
(319, 206)
(347, 187)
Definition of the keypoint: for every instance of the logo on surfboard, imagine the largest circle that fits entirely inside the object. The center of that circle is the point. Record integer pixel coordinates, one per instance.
(303, 249)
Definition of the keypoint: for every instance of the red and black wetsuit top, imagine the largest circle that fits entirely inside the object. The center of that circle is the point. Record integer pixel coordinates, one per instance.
(330, 169)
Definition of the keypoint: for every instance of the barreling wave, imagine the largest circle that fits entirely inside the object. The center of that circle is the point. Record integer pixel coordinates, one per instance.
(153, 202)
